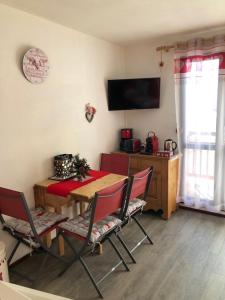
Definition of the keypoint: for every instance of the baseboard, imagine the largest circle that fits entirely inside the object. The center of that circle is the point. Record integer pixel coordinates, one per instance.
(202, 210)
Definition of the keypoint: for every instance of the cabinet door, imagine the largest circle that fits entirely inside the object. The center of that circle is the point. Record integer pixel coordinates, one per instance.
(134, 164)
(154, 198)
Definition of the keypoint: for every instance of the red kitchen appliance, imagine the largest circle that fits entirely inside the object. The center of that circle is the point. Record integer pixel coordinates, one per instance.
(127, 143)
(152, 143)
(126, 133)
(165, 153)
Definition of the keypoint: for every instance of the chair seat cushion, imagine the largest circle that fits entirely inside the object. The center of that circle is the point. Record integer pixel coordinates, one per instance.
(134, 205)
(80, 225)
(42, 221)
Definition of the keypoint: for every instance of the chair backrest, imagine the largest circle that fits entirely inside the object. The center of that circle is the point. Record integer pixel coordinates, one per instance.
(115, 163)
(139, 184)
(13, 204)
(109, 200)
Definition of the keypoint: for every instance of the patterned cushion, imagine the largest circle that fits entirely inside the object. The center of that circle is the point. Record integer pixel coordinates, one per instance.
(134, 205)
(80, 225)
(42, 221)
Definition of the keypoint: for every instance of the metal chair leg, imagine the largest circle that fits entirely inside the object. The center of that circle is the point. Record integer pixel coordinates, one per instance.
(13, 252)
(125, 247)
(51, 253)
(74, 259)
(90, 276)
(78, 257)
(142, 229)
(118, 253)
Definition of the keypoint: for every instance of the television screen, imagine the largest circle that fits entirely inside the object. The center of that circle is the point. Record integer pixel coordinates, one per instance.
(126, 94)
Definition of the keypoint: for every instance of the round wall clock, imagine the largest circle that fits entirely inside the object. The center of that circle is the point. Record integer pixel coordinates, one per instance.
(35, 65)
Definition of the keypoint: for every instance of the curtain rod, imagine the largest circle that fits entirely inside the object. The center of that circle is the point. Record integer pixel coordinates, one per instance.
(165, 48)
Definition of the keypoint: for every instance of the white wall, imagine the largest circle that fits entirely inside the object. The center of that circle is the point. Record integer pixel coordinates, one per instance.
(40, 121)
(142, 60)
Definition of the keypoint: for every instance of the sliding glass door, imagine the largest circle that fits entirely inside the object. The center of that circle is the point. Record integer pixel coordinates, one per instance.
(198, 136)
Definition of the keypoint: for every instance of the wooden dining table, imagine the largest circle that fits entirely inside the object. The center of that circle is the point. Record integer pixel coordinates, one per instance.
(81, 195)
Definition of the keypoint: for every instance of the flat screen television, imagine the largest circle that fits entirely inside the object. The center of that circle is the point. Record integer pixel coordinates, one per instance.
(127, 94)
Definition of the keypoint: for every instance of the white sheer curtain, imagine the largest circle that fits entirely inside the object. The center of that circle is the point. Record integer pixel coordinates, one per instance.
(219, 190)
(200, 103)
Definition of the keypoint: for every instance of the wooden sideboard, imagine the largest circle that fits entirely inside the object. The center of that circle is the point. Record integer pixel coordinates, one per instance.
(163, 189)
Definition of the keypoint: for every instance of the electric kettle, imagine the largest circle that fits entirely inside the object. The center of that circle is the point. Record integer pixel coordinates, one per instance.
(152, 143)
(170, 145)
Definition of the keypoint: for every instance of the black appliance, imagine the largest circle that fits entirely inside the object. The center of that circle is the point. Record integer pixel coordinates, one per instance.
(127, 143)
(152, 143)
(127, 94)
(131, 145)
(125, 134)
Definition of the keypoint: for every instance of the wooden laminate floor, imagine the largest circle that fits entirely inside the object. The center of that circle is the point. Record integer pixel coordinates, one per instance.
(186, 262)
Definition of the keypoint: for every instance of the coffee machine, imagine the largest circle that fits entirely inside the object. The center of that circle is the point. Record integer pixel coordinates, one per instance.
(127, 142)
(125, 134)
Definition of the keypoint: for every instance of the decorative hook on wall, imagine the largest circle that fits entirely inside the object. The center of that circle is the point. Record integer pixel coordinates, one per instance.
(165, 49)
(161, 63)
(89, 112)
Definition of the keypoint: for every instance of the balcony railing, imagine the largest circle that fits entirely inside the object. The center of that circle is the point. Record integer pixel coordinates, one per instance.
(199, 172)
(199, 162)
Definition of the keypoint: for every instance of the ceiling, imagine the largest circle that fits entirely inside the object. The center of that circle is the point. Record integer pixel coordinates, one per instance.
(128, 21)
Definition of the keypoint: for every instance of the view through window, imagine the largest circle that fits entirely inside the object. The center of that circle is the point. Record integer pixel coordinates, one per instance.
(200, 112)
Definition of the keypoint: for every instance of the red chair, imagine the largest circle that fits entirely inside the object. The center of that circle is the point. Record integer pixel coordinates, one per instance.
(95, 226)
(115, 163)
(139, 186)
(27, 226)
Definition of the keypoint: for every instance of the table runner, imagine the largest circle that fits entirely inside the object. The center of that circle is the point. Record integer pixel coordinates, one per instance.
(65, 187)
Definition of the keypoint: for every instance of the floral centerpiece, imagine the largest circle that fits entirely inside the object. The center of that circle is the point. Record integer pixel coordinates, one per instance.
(80, 167)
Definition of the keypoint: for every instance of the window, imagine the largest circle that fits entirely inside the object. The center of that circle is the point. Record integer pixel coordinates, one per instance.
(199, 124)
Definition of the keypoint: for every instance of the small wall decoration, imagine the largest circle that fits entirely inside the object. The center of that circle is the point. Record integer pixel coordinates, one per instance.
(163, 49)
(89, 112)
(35, 65)
(161, 63)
